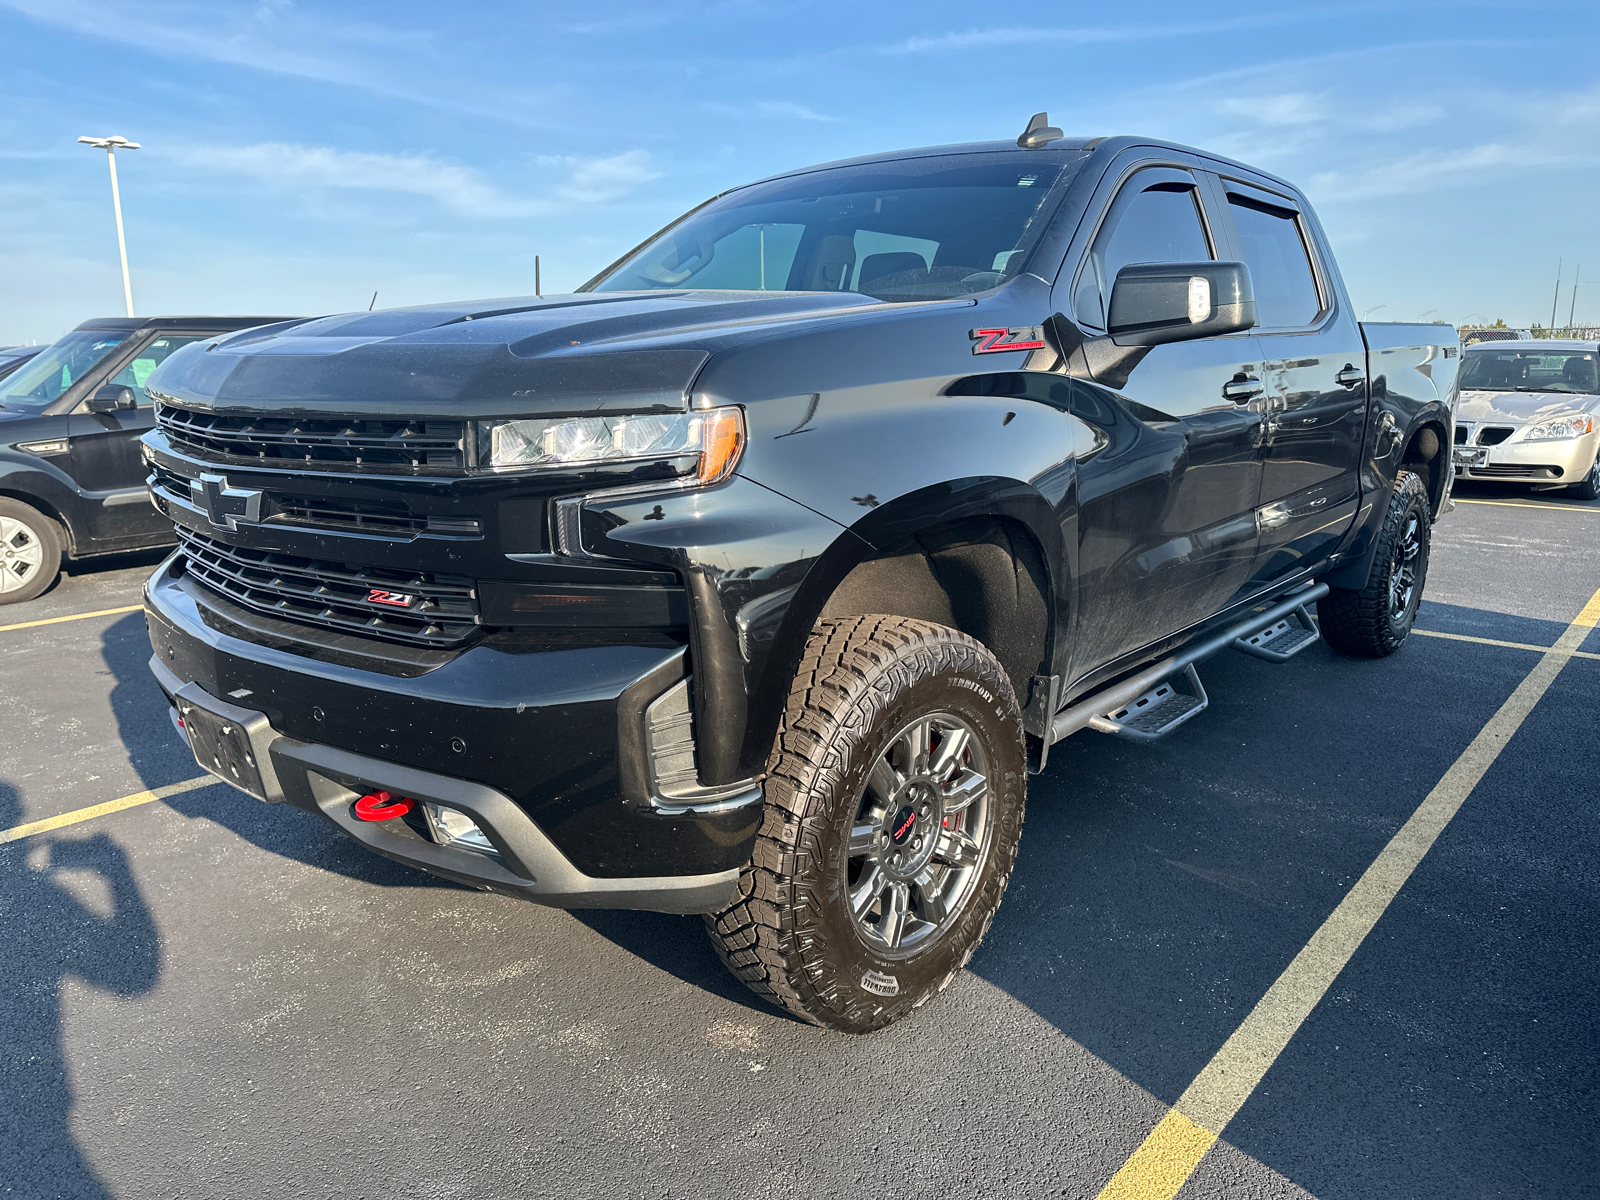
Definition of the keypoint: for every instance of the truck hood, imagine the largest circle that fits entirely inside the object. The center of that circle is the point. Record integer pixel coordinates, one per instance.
(1518, 408)
(581, 353)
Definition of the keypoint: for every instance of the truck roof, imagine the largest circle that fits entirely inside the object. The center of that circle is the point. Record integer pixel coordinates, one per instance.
(1110, 146)
(220, 324)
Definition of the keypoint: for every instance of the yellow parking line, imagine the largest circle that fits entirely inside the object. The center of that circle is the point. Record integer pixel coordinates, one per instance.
(1165, 1160)
(1528, 504)
(104, 612)
(1483, 641)
(18, 832)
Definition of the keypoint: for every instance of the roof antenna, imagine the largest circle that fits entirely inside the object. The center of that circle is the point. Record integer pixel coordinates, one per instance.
(374, 301)
(1039, 132)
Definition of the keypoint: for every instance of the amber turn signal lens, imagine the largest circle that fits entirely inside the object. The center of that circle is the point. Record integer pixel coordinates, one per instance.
(721, 443)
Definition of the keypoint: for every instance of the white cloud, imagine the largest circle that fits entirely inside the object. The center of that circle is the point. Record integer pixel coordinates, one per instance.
(278, 37)
(788, 108)
(1292, 108)
(460, 189)
(995, 37)
(599, 180)
(1429, 171)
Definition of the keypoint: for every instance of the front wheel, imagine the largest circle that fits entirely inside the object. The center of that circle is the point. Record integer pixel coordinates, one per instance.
(30, 551)
(894, 803)
(1589, 487)
(1373, 621)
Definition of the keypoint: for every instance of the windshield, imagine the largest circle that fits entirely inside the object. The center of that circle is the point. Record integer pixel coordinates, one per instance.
(37, 384)
(916, 229)
(1531, 371)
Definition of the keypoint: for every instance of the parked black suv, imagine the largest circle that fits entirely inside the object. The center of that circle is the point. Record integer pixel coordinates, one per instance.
(754, 578)
(71, 417)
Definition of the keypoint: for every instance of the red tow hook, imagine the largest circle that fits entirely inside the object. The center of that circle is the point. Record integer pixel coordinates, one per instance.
(381, 806)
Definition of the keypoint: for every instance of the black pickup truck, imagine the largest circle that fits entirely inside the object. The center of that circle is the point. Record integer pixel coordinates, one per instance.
(71, 416)
(755, 577)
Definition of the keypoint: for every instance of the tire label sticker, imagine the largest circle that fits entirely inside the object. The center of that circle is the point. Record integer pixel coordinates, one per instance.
(880, 984)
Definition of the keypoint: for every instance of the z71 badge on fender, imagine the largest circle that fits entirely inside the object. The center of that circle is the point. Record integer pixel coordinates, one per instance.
(993, 341)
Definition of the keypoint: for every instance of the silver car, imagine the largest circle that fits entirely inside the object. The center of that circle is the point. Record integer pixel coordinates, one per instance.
(1530, 413)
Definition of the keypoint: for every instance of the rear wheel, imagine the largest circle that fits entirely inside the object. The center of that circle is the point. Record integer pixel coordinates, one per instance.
(30, 551)
(1589, 487)
(1373, 621)
(894, 806)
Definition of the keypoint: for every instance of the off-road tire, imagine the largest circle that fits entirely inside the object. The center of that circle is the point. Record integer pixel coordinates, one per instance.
(791, 937)
(1588, 488)
(34, 543)
(1364, 623)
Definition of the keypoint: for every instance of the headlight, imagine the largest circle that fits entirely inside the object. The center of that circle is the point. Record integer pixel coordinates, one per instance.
(708, 442)
(1561, 427)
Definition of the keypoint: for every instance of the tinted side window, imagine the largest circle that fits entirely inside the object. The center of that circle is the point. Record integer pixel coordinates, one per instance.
(152, 356)
(1286, 290)
(1157, 223)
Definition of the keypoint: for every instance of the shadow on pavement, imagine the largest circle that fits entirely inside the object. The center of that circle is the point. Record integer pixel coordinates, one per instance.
(52, 936)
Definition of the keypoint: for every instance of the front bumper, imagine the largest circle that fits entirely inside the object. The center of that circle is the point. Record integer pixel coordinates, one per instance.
(535, 738)
(1559, 462)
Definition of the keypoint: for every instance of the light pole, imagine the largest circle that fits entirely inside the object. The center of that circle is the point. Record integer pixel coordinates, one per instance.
(109, 145)
(1372, 310)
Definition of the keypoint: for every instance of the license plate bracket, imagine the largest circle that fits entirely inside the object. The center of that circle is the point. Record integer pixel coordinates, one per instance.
(221, 740)
(1470, 457)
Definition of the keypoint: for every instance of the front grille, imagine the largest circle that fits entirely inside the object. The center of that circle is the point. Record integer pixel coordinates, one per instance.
(320, 444)
(1517, 470)
(1493, 435)
(1461, 434)
(380, 518)
(348, 516)
(441, 609)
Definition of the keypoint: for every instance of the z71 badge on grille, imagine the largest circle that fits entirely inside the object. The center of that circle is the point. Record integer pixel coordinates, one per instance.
(993, 341)
(396, 599)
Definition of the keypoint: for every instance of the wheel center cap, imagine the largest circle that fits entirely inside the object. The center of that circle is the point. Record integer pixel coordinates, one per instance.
(903, 825)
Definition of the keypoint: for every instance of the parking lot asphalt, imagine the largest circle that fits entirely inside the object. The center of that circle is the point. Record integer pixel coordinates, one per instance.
(204, 996)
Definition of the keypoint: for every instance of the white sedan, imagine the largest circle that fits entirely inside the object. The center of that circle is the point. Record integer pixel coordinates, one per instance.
(1530, 413)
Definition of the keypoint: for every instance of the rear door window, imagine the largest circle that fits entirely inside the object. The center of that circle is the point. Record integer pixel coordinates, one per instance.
(1280, 268)
(1155, 218)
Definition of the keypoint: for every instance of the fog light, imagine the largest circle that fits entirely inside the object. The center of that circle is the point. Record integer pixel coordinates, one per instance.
(452, 827)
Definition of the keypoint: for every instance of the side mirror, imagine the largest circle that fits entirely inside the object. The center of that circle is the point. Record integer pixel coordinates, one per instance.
(1156, 303)
(111, 397)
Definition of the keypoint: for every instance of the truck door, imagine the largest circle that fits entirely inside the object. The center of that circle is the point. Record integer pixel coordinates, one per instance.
(1313, 366)
(104, 457)
(1170, 542)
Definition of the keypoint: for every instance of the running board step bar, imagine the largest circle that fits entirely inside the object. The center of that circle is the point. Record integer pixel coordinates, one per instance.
(1081, 715)
(1159, 711)
(1281, 641)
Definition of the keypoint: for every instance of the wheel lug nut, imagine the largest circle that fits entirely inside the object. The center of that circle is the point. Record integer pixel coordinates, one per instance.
(916, 843)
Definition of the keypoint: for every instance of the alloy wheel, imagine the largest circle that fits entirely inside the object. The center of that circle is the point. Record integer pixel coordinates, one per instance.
(21, 555)
(1403, 575)
(920, 834)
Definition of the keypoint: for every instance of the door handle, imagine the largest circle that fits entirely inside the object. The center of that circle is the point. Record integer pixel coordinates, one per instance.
(1242, 388)
(1350, 376)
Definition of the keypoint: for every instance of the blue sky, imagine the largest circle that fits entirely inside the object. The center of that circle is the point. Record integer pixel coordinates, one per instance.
(300, 156)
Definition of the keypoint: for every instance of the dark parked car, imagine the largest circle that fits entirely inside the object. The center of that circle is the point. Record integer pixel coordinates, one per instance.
(754, 578)
(12, 357)
(71, 416)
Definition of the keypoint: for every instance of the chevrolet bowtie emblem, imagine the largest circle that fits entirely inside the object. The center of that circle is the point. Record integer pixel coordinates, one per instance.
(225, 506)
